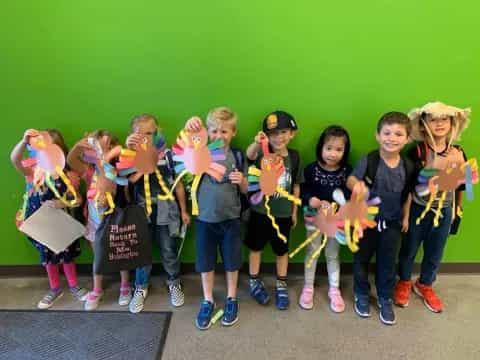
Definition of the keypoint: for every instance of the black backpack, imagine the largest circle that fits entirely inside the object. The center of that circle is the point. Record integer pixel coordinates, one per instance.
(373, 159)
(240, 164)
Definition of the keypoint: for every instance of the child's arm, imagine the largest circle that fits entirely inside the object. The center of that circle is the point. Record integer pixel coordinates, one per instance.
(180, 192)
(254, 148)
(406, 213)
(306, 189)
(458, 202)
(17, 153)
(74, 160)
(126, 192)
(352, 181)
(296, 193)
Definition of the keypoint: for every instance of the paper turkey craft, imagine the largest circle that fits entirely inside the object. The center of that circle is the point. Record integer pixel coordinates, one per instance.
(264, 183)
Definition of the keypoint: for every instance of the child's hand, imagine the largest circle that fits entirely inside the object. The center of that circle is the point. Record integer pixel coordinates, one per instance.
(56, 204)
(133, 140)
(360, 190)
(194, 124)
(261, 136)
(315, 202)
(236, 177)
(29, 134)
(185, 217)
(84, 145)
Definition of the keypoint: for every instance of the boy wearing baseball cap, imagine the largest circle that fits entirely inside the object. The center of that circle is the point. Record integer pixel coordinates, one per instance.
(279, 127)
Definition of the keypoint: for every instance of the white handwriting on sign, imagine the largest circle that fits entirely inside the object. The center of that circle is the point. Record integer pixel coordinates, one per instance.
(120, 241)
(122, 229)
(124, 256)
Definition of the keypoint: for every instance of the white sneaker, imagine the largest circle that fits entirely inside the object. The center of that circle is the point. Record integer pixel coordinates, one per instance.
(124, 298)
(177, 297)
(138, 300)
(92, 301)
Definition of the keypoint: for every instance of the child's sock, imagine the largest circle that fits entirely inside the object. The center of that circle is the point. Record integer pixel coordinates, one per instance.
(70, 271)
(281, 282)
(53, 273)
(125, 288)
(253, 279)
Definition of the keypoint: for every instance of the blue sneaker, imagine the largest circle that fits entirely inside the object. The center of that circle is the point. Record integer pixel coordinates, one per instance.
(362, 306)
(387, 316)
(204, 316)
(281, 298)
(230, 312)
(258, 291)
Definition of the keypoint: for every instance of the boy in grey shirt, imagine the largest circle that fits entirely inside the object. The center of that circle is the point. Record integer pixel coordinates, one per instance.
(388, 175)
(218, 223)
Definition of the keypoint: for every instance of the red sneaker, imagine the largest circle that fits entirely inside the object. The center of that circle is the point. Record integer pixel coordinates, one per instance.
(402, 292)
(430, 299)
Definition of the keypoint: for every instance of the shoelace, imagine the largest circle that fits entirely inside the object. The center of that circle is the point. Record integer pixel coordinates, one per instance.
(428, 292)
(206, 308)
(257, 288)
(138, 292)
(388, 302)
(230, 306)
(50, 296)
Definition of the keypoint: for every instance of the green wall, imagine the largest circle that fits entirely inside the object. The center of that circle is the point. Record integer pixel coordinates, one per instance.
(85, 65)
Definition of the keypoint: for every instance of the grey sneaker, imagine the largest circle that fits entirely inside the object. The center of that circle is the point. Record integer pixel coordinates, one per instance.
(177, 297)
(50, 297)
(79, 293)
(125, 296)
(138, 300)
(92, 300)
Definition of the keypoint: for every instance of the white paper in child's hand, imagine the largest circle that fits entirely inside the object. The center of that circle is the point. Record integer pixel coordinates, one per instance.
(53, 228)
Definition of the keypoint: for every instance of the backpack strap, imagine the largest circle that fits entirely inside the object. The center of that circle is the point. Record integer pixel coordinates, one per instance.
(169, 161)
(239, 159)
(410, 177)
(423, 152)
(294, 162)
(373, 159)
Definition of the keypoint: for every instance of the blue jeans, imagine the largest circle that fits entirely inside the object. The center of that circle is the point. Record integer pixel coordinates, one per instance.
(434, 241)
(384, 246)
(224, 236)
(168, 256)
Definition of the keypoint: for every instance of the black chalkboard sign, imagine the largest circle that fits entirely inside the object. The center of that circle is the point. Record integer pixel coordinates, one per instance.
(123, 241)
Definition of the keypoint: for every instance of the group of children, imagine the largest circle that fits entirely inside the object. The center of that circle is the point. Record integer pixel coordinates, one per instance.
(384, 172)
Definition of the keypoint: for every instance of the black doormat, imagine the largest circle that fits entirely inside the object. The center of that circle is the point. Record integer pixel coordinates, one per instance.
(81, 335)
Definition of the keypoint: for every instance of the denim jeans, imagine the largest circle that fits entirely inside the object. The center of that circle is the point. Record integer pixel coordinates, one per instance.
(434, 241)
(168, 256)
(383, 244)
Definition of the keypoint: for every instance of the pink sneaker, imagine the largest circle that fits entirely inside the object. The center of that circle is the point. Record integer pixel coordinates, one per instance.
(306, 298)
(336, 301)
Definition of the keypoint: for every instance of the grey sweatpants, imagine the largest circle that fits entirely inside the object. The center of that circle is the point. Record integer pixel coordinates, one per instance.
(331, 255)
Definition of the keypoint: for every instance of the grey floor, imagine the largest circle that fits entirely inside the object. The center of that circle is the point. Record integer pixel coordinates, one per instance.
(266, 333)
